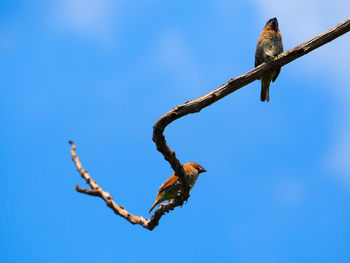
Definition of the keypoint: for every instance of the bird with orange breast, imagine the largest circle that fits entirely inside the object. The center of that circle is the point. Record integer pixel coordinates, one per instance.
(269, 45)
(170, 188)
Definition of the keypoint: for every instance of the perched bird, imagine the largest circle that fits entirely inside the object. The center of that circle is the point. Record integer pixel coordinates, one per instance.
(269, 45)
(169, 189)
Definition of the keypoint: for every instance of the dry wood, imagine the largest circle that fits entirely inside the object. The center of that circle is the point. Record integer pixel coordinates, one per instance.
(194, 106)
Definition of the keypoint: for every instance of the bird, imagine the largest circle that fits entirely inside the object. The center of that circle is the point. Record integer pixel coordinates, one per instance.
(170, 188)
(269, 45)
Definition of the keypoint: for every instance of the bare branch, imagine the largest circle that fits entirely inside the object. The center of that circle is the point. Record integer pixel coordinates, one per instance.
(87, 191)
(96, 190)
(198, 104)
(194, 106)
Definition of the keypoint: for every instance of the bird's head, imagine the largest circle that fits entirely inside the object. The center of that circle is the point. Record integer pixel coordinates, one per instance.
(196, 166)
(272, 24)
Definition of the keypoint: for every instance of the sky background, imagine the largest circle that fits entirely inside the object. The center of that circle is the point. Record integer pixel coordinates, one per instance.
(101, 72)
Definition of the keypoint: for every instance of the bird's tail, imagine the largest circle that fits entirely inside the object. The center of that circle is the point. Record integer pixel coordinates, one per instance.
(155, 203)
(265, 90)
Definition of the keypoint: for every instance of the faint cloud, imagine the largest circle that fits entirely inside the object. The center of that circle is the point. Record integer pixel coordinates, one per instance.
(175, 54)
(305, 14)
(8, 39)
(291, 193)
(339, 157)
(294, 16)
(89, 18)
(301, 20)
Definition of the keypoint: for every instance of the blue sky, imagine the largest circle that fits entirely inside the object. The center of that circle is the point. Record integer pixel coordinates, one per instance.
(101, 72)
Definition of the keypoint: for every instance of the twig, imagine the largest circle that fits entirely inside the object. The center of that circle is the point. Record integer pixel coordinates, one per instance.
(194, 106)
(96, 190)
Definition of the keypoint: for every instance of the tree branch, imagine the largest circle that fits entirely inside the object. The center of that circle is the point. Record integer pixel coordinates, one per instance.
(96, 190)
(198, 104)
(194, 106)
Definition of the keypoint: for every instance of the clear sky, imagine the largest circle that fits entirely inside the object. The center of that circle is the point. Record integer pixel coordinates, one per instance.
(101, 72)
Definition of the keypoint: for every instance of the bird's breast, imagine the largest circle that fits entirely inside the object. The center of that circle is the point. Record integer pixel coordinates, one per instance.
(271, 48)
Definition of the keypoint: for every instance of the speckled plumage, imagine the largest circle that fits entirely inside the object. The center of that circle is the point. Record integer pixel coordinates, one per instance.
(269, 45)
(169, 189)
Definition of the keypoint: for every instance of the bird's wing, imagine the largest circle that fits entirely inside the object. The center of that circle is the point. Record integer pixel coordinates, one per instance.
(279, 69)
(172, 180)
(169, 182)
(259, 54)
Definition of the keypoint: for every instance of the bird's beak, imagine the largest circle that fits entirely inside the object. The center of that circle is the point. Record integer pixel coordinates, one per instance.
(202, 170)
